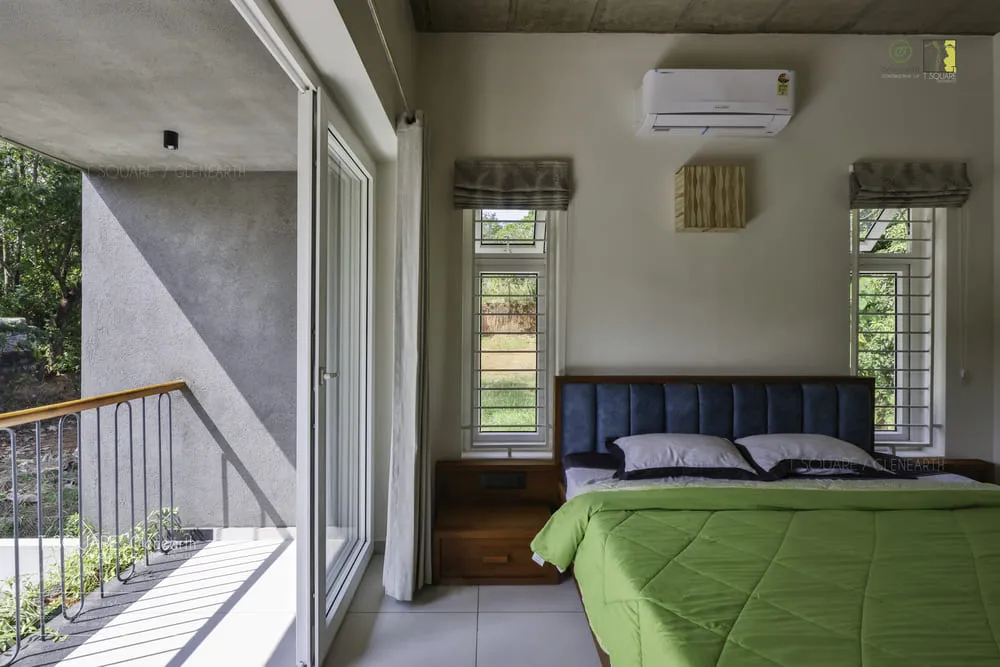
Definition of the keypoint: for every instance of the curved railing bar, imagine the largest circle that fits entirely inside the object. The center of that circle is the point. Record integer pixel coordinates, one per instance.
(159, 473)
(145, 485)
(79, 511)
(118, 542)
(170, 463)
(100, 509)
(17, 557)
(40, 529)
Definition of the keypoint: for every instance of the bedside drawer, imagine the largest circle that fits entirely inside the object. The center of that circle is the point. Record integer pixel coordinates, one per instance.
(471, 558)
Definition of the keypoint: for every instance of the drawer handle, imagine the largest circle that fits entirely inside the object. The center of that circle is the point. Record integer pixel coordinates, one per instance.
(496, 560)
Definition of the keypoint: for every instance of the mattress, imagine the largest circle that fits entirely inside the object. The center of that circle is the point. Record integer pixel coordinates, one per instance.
(825, 573)
(581, 480)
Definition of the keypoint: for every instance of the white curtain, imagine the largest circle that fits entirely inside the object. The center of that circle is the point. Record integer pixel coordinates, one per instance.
(408, 540)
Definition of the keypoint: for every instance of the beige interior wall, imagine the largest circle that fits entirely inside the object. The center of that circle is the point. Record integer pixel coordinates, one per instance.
(772, 298)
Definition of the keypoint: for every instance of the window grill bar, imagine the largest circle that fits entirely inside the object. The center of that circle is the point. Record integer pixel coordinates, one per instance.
(531, 351)
(874, 273)
(509, 388)
(875, 369)
(897, 294)
(526, 297)
(510, 370)
(896, 255)
(511, 333)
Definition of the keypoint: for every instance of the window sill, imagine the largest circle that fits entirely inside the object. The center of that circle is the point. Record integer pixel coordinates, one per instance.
(508, 454)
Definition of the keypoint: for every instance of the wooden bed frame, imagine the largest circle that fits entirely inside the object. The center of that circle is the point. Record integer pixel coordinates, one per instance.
(562, 380)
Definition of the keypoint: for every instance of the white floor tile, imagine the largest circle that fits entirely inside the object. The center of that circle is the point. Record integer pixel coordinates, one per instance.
(406, 640)
(371, 598)
(535, 640)
(561, 597)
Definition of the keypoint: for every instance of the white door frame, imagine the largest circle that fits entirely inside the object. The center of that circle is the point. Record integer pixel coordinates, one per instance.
(318, 119)
(320, 124)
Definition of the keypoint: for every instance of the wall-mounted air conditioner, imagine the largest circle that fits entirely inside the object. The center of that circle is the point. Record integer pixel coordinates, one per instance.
(716, 102)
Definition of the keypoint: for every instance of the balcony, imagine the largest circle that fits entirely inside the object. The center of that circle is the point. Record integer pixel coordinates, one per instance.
(113, 575)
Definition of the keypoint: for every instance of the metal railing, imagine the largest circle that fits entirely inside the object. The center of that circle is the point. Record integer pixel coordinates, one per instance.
(37, 602)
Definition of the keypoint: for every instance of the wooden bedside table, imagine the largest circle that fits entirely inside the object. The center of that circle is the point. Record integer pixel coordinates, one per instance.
(487, 513)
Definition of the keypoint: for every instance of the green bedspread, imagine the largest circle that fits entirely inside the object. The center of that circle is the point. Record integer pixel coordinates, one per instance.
(793, 577)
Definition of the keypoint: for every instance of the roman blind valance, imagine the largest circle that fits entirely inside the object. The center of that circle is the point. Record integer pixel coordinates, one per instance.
(909, 184)
(512, 184)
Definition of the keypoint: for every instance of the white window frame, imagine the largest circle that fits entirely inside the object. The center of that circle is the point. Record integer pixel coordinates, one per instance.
(911, 321)
(482, 258)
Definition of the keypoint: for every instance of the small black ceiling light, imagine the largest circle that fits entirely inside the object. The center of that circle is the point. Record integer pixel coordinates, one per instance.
(170, 140)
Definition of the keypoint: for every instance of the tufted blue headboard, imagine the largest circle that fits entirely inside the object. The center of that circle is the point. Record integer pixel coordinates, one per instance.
(589, 410)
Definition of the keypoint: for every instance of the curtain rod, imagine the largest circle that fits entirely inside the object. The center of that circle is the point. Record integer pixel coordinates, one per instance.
(410, 116)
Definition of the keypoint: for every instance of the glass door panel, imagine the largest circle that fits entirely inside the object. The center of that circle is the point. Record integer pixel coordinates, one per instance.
(346, 426)
(334, 452)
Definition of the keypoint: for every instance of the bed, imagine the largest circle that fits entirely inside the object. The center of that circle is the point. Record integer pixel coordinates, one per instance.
(817, 572)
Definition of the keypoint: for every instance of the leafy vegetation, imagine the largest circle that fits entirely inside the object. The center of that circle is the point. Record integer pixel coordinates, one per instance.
(131, 548)
(27, 518)
(40, 249)
(496, 232)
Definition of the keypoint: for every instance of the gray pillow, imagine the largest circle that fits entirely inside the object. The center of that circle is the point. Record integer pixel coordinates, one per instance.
(655, 455)
(781, 454)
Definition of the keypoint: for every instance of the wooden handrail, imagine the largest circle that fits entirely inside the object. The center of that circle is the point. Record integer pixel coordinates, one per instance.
(21, 417)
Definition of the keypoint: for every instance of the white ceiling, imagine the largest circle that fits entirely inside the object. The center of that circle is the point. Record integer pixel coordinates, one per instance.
(97, 82)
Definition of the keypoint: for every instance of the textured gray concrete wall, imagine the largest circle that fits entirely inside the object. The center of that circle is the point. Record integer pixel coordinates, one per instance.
(193, 278)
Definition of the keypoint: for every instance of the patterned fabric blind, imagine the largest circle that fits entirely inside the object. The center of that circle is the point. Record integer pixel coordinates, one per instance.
(512, 184)
(909, 184)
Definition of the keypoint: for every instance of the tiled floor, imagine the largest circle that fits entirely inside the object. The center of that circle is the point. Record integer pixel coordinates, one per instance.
(464, 626)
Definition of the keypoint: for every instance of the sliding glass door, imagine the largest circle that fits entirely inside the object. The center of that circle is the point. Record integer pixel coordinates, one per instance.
(344, 364)
(334, 495)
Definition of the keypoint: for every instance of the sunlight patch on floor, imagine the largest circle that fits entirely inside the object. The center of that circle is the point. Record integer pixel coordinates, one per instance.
(230, 603)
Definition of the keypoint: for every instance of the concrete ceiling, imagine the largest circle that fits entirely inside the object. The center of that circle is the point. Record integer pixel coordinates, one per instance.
(97, 82)
(945, 17)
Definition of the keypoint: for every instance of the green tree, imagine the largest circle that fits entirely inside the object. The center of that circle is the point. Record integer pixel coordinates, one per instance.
(40, 247)
(499, 231)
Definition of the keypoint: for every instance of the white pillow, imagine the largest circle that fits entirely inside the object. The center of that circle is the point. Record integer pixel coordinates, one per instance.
(678, 454)
(807, 454)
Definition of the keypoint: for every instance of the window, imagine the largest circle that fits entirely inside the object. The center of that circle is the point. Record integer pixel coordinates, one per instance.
(892, 296)
(509, 327)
